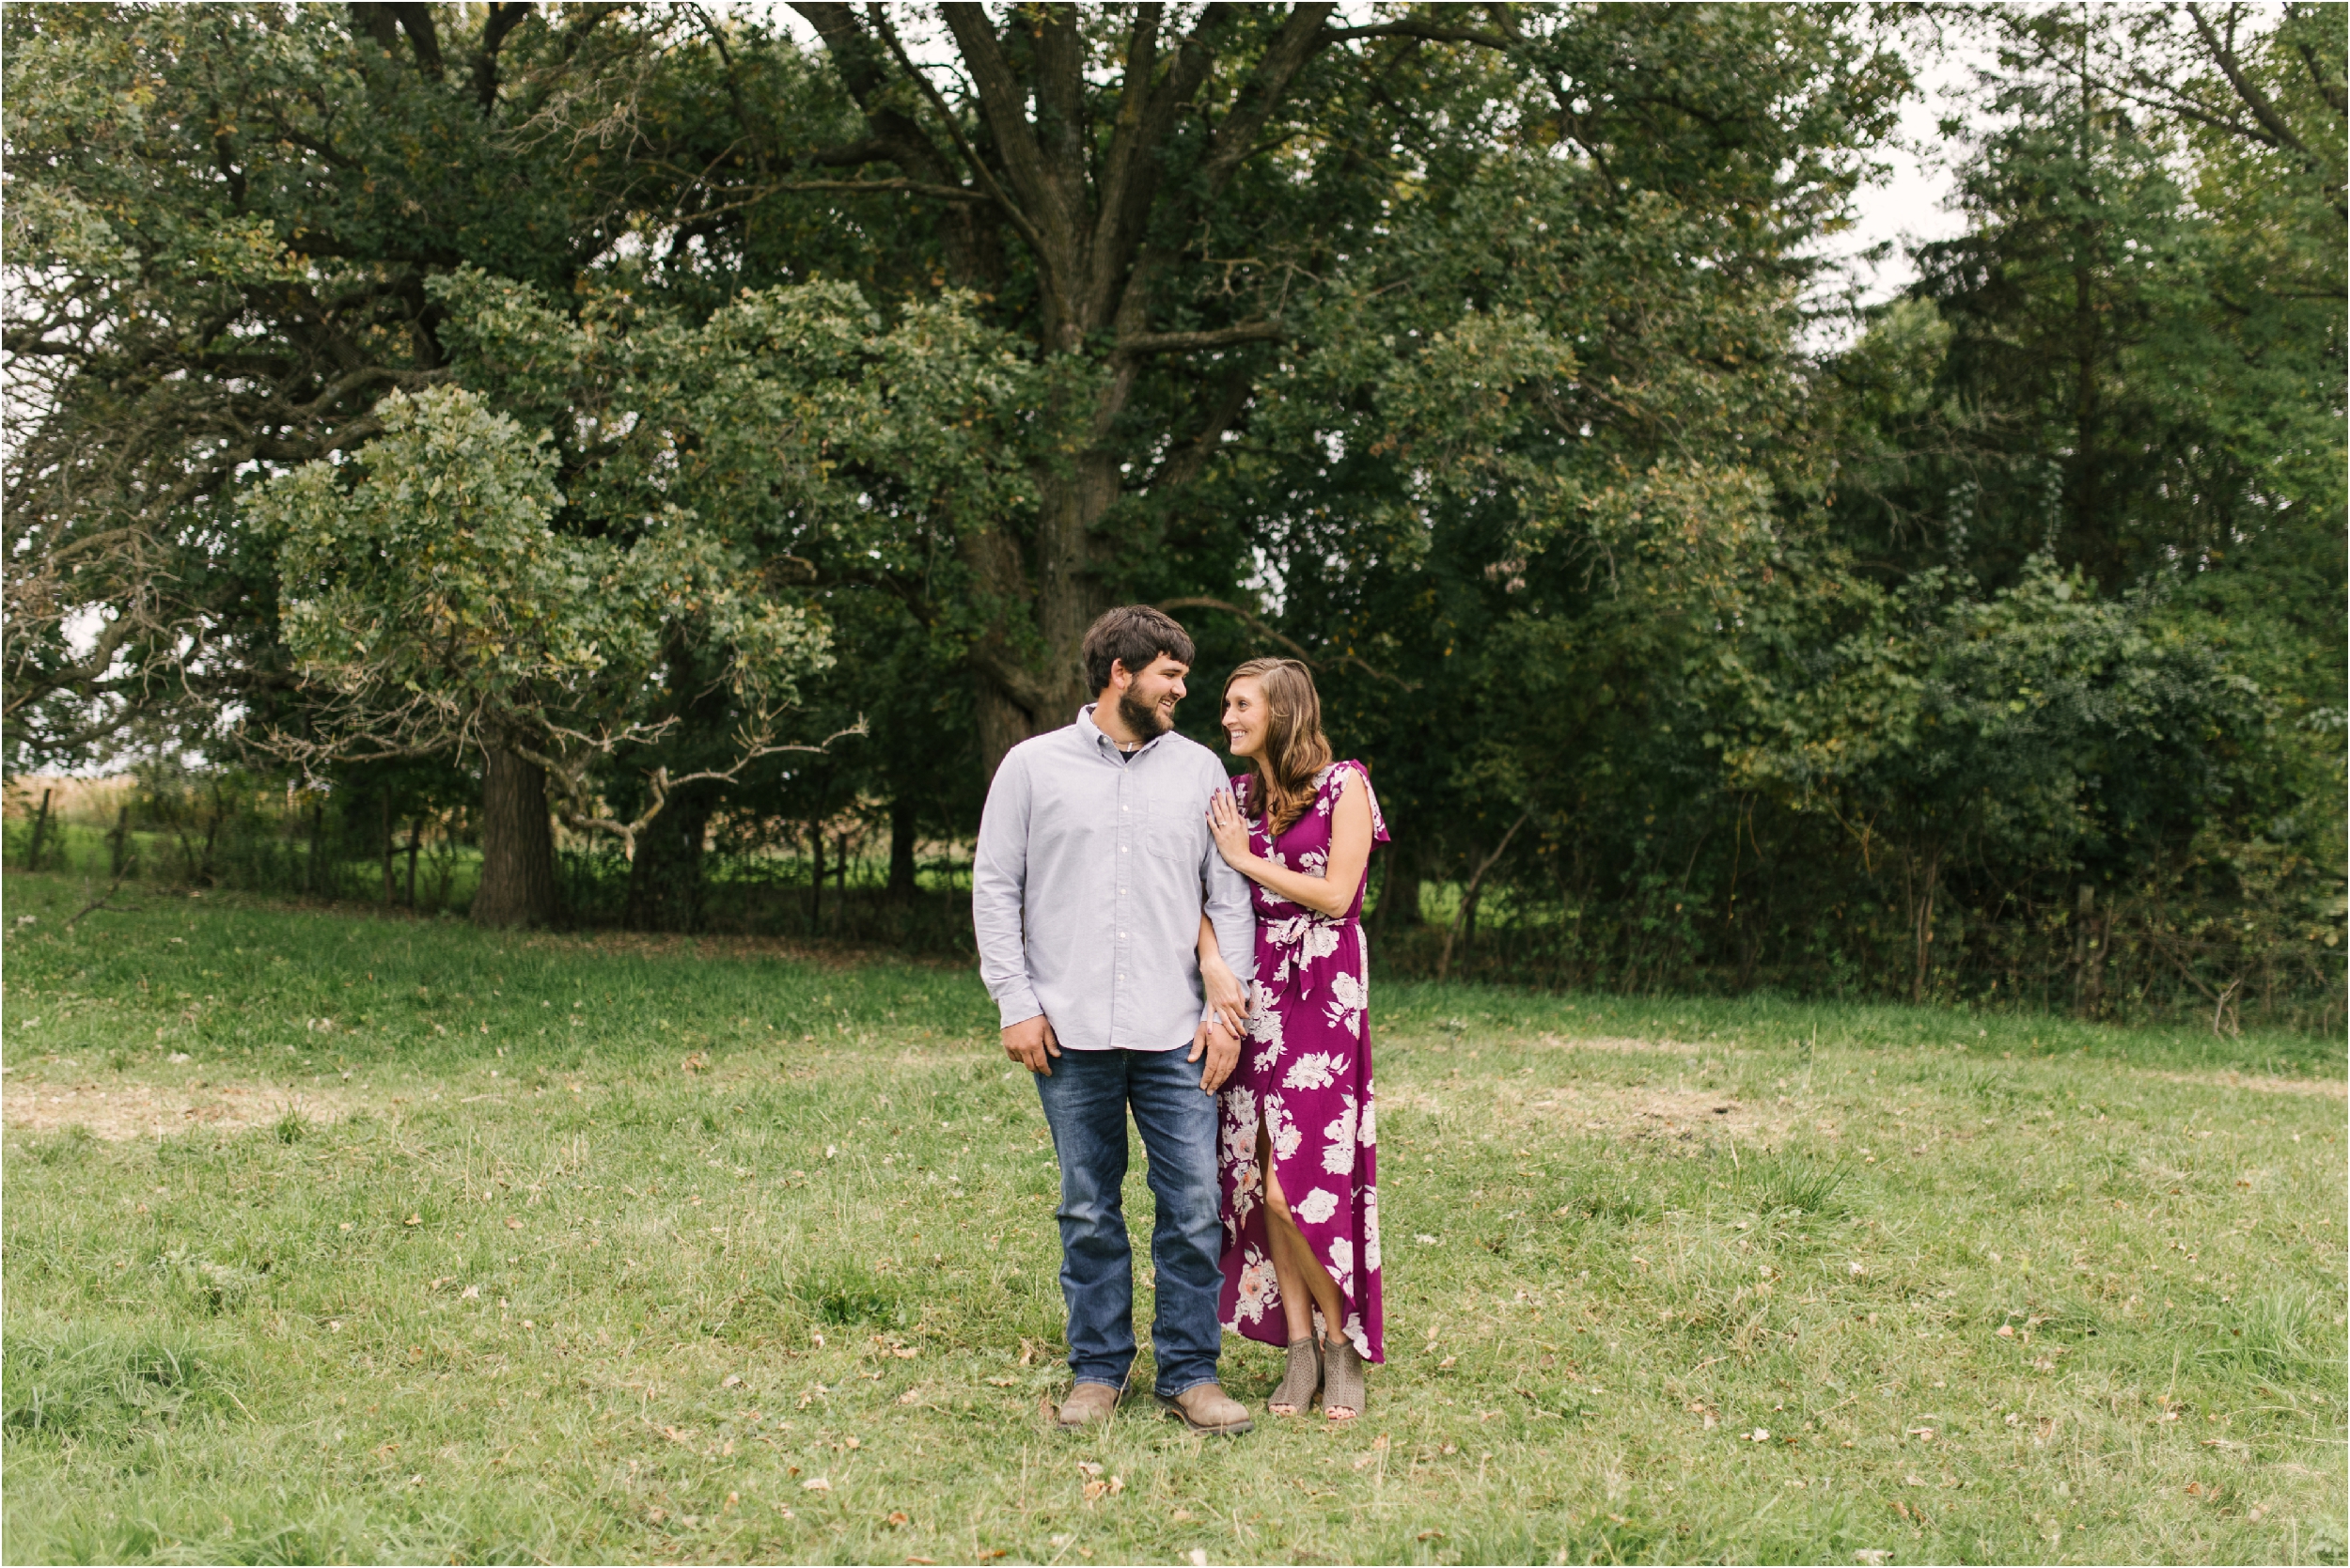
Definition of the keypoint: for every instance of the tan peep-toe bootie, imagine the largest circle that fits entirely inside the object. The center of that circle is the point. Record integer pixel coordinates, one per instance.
(1343, 1380)
(1301, 1381)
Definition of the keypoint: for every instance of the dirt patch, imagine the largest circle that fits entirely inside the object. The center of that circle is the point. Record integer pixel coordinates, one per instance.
(1608, 1110)
(2327, 1088)
(1627, 1046)
(120, 1111)
(1675, 1115)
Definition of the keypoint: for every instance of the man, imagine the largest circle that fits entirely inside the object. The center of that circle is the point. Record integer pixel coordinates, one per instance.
(1094, 864)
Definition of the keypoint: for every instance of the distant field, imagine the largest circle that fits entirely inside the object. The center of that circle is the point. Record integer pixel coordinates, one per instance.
(332, 1237)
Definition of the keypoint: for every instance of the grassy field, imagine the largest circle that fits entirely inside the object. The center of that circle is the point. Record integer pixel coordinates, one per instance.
(339, 1238)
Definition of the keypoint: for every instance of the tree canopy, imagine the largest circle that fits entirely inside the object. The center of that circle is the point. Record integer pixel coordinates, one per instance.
(1700, 626)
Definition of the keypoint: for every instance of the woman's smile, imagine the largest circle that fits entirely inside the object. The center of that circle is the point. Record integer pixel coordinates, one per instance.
(1244, 717)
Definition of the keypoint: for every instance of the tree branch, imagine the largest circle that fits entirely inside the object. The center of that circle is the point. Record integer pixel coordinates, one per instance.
(979, 170)
(1258, 624)
(659, 783)
(913, 187)
(2262, 110)
(1185, 342)
(503, 17)
(1426, 30)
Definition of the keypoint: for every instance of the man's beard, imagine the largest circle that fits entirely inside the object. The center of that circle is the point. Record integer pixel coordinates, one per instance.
(1143, 719)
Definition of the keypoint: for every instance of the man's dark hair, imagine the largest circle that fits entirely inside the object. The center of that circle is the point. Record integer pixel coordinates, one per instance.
(1134, 635)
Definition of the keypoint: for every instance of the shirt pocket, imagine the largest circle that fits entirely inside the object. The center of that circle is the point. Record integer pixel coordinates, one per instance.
(1172, 836)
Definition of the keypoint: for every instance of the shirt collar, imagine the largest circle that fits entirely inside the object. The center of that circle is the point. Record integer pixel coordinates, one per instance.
(1101, 738)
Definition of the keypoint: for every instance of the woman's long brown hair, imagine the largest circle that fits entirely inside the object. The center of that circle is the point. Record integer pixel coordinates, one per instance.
(1282, 775)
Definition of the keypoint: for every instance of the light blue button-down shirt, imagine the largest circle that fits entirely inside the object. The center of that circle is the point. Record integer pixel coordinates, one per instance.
(1087, 888)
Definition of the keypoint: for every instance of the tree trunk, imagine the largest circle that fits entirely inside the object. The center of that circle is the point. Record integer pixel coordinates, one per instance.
(517, 845)
(1399, 892)
(119, 840)
(1466, 916)
(902, 831)
(665, 882)
(40, 831)
(415, 842)
(1090, 211)
(816, 876)
(388, 849)
(1925, 882)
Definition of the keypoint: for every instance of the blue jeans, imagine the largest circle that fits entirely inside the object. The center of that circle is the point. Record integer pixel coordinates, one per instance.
(1085, 1100)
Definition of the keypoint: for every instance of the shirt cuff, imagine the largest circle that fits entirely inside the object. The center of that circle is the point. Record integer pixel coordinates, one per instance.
(1017, 1008)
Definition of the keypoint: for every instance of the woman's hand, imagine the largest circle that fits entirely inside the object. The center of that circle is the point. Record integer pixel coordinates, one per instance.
(1230, 829)
(1227, 999)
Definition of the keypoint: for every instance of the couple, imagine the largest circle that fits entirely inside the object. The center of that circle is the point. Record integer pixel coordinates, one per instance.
(1112, 894)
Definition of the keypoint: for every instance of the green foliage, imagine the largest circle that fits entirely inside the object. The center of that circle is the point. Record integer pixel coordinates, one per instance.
(435, 601)
(1994, 653)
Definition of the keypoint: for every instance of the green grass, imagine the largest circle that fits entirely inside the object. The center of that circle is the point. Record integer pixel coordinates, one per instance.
(595, 1248)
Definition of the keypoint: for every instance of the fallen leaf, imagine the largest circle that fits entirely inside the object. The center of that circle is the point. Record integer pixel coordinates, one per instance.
(817, 1483)
(512, 1224)
(2007, 1331)
(1430, 1535)
(732, 1381)
(1094, 1489)
(1089, 1467)
(414, 1219)
(896, 1519)
(1003, 1382)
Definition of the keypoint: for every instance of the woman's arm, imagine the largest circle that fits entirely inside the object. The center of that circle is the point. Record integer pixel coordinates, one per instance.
(1226, 998)
(1342, 878)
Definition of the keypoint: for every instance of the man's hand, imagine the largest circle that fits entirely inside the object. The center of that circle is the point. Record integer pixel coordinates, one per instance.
(1222, 1049)
(1030, 1041)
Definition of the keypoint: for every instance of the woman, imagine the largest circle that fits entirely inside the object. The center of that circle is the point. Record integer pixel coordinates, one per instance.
(1298, 1166)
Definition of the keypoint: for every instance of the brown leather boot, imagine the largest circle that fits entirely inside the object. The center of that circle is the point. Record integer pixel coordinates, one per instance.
(1208, 1408)
(1088, 1405)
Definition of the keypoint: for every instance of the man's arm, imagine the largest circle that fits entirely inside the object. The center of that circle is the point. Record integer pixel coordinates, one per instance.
(999, 880)
(1225, 902)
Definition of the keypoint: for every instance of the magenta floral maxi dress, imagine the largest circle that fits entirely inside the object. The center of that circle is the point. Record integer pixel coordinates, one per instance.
(1305, 1072)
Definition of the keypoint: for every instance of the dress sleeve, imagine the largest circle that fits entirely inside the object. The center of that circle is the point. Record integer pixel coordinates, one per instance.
(1337, 784)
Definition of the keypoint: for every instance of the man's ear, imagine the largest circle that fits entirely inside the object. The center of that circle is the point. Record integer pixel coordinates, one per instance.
(1117, 669)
